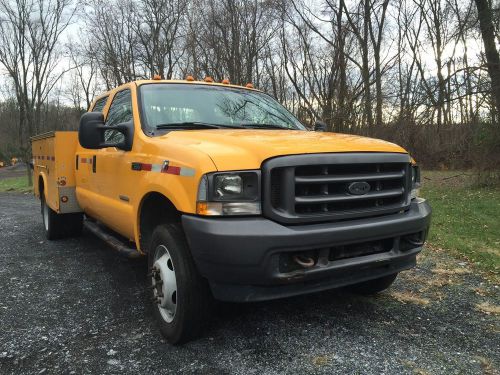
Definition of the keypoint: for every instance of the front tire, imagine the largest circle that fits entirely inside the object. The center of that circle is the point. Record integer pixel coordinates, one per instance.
(373, 286)
(58, 226)
(181, 297)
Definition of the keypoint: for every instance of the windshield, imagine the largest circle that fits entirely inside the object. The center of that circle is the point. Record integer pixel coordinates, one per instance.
(177, 106)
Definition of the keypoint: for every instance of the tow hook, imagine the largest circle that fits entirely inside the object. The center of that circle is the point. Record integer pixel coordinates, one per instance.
(303, 261)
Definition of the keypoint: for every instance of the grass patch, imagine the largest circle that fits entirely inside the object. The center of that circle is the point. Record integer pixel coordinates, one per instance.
(488, 308)
(409, 297)
(466, 218)
(19, 184)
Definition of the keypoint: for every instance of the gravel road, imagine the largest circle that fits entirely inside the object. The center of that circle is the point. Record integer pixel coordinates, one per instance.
(74, 307)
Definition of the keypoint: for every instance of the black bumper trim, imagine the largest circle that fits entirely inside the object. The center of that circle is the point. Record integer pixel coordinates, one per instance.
(341, 278)
(239, 258)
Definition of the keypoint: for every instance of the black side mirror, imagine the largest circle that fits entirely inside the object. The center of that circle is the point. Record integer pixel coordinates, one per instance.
(320, 126)
(91, 132)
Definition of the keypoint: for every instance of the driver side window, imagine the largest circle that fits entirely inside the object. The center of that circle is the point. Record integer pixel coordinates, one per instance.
(119, 112)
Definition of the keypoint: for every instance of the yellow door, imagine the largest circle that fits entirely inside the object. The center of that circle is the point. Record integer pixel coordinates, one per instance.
(112, 173)
(85, 171)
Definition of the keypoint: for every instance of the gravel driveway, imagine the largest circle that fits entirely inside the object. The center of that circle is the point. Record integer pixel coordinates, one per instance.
(74, 307)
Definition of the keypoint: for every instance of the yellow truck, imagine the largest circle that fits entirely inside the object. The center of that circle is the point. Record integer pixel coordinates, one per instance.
(229, 197)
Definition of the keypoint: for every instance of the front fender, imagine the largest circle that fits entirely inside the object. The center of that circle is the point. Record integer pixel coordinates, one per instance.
(182, 197)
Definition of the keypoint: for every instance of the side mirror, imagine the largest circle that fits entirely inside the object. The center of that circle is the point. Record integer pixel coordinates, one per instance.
(320, 126)
(91, 133)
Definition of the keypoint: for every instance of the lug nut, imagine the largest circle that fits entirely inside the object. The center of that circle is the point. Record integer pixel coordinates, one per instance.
(154, 272)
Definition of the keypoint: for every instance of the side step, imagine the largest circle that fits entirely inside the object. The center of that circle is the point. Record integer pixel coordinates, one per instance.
(111, 240)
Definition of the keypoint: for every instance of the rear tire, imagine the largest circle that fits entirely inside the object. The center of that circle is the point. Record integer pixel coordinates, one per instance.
(182, 301)
(58, 226)
(373, 286)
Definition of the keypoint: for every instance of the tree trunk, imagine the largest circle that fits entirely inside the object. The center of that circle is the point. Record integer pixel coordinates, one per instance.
(368, 113)
(491, 52)
(341, 110)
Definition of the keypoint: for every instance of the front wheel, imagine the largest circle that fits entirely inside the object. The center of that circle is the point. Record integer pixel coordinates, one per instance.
(181, 297)
(373, 286)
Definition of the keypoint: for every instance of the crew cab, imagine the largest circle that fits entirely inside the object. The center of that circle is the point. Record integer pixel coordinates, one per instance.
(230, 197)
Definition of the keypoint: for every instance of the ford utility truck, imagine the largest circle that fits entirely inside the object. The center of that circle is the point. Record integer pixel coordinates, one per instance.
(229, 197)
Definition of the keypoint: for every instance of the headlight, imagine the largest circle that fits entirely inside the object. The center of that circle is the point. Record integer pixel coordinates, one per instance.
(229, 193)
(415, 181)
(227, 186)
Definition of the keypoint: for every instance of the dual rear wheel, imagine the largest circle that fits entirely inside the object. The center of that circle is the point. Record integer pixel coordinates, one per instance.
(58, 226)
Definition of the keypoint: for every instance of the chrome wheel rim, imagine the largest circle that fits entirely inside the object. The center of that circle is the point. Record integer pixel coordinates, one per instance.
(164, 283)
(45, 215)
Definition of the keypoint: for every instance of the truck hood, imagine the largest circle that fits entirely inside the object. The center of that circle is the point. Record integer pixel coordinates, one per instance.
(236, 149)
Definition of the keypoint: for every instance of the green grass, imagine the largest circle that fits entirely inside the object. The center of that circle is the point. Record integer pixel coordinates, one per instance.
(466, 218)
(19, 184)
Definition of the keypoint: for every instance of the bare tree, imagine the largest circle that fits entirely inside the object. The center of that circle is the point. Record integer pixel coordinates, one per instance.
(30, 31)
(112, 27)
(159, 34)
(84, 68)
(231, 38)
(492, 57)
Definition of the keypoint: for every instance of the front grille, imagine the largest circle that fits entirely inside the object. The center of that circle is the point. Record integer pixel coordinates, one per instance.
(322, 187)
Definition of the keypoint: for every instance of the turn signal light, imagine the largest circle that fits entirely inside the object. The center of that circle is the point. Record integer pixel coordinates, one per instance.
(228, 208)
(202, 208)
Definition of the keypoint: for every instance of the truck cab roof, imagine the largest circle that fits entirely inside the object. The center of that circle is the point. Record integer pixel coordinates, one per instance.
(205, 82)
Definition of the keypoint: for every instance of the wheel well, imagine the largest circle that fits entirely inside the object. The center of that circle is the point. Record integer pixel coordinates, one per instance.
(155, 209)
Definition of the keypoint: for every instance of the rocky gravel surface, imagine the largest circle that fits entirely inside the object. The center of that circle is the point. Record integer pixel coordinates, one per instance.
(74, 307)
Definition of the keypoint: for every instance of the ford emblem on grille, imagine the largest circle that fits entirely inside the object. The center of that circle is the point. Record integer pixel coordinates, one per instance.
(358, 188)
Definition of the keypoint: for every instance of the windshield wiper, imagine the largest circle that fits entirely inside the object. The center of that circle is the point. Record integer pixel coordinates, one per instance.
(195, 125)
(264, 126)
(187, 124)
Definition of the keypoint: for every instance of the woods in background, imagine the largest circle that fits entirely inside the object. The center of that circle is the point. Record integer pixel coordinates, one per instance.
(422, 73)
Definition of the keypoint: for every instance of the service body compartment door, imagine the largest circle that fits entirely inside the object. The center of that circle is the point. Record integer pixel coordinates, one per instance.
(54, 169)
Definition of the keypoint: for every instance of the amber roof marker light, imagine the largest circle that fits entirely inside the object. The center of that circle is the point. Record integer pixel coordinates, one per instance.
(249, 85)
(209, 79)
(189, 78)
(225, 81)
(157, 77)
